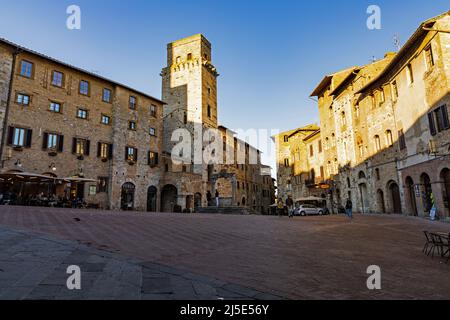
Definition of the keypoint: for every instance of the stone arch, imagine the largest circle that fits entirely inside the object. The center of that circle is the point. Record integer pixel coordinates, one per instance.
(394, 197)
(427, 191)
(380, 201)
(410, 196)
(169, 196)
(127, 196)
(445, 178)
(152, 196)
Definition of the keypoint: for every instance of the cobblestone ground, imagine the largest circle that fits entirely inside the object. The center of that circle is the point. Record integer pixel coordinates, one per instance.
(302, 258)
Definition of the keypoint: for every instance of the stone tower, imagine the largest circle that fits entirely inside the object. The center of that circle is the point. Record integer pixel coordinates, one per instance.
(189, 87)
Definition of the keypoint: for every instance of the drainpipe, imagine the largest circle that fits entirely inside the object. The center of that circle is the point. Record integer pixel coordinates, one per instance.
(8, 101)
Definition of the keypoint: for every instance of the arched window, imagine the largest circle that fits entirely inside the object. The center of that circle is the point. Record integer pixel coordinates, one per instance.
(389, 138)
(357, 110)
(377, 143)
(343, 119)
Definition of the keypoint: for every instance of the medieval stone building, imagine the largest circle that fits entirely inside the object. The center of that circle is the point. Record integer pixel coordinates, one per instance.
(68, 133)
(385, 129)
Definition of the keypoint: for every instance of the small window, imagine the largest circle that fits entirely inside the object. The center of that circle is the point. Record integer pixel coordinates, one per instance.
(130, 154)
(53, 142)
(401, 139)
(382, 96)
(320, 146)
(80, 146)
(26, 69)
(55, 107)
(189, 56)
(373, 101)
(311, 150)
(57, 79)
(82, 114)
(84, 87)
(286, 138)
(209, 111)
(153, 110)
(152, 131)
(106, 95)
(132, 125)
(23, 99)
(102, 185)
(357, 110)
(377, 143)
(377, 174)
(133, 103)
(178, 60)
(152, 158)
(389, 138)
(429, 57)
(343, 119)
(410, 74)
(106, 119)
(19, 137)
(104, 150)
(394, 90)
(286, 162)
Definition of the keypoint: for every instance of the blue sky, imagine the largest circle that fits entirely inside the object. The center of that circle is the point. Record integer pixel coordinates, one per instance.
(270, 54)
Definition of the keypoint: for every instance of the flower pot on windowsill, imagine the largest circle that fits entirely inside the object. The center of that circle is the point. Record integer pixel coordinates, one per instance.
(52, 153)
(131, 162)
(80, 157)
(18, 148)
(104, 159)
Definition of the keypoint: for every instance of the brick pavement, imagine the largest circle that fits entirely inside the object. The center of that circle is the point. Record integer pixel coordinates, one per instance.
(34, 267)
(301, 258)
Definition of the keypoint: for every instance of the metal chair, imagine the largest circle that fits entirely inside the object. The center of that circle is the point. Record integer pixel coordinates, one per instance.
(428, 244)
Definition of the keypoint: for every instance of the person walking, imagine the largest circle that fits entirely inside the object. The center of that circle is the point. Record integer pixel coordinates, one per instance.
(349, 208)
(217, 198)
(290, 206)
(280, 207)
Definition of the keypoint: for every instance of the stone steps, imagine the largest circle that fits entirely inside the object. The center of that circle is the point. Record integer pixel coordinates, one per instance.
(226, 210)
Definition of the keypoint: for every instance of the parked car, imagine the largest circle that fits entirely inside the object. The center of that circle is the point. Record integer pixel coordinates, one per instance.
(308, 210)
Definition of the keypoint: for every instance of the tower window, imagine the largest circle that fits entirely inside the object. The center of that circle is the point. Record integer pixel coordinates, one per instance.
(209, 111)
(189, 56)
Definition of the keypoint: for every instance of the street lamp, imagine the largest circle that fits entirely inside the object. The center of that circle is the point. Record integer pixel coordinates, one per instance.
(52, 166)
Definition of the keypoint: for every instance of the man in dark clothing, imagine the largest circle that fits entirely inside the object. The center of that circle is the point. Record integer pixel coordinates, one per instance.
(217, 198)
(349, 208)
(290, 206)
(208, 197)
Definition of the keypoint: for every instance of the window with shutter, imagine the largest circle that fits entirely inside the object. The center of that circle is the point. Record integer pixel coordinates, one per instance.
(432, 124)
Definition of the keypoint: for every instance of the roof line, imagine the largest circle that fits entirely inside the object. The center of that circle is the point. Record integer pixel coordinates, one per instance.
(67, 65)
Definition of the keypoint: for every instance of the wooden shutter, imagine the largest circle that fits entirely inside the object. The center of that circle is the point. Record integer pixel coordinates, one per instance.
(45, 141)
(156, 158)
(445, 116)
(74, 145)
(60, 143)
(99, 149)
(110, 151)
(88, 147)
(29, 135)
(135, 154)
(10, 135)
(432, 124)
(126, 153)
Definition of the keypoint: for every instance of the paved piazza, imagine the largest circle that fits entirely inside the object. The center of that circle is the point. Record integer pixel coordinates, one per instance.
(159, 256)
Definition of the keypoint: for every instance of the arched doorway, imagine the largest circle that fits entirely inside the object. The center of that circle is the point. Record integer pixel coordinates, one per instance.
(127, 197)
(395, 197)
(197, 201)
(151, 199)
(243, 201)
(411, 196)
(380, 201)
(445, 178)
(169, 195)
(189, 202)
(426, 192)
(363, 197)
